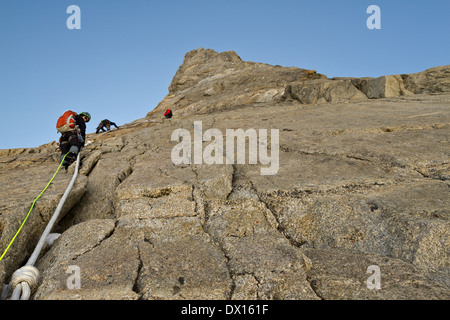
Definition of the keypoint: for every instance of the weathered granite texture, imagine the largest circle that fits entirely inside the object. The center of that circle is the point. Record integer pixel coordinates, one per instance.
(363, 180)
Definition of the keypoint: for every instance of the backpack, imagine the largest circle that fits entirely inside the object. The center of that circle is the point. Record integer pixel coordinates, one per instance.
(168, 113)
(66, 122)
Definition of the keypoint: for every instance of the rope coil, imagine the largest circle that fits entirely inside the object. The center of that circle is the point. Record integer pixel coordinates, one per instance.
(27, 274)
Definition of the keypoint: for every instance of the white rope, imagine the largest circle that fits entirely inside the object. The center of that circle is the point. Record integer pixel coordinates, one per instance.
(25, 279)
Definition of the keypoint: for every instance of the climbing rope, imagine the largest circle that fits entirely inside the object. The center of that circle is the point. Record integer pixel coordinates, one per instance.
(25, 279)
(32, 206)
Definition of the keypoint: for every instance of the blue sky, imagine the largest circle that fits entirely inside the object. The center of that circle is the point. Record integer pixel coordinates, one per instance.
(120, 63)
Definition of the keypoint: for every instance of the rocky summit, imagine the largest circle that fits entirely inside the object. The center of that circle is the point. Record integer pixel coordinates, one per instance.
(269, 182)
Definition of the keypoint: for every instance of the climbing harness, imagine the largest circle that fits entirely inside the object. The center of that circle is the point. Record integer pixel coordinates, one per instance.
(25, 279)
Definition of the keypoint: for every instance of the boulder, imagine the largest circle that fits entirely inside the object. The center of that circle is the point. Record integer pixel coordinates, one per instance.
(323, 91)
(382, 87)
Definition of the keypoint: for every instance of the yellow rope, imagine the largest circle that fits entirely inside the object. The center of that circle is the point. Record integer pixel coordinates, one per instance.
(32, 206)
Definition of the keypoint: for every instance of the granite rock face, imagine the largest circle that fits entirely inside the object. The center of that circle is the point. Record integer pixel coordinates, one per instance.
(433, 80)
(358, 207)
(208, 81)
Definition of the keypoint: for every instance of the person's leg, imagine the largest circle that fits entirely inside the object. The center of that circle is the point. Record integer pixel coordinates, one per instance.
(64, 146)
(100, 127)
(74, 147)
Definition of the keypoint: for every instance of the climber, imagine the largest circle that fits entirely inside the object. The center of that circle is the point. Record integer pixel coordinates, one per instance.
(105, 123)
(73, 140)
(168, 114)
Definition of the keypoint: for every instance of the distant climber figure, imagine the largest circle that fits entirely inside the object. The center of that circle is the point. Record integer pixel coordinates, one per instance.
(73, 135)
(168, 114)
(105, 123)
